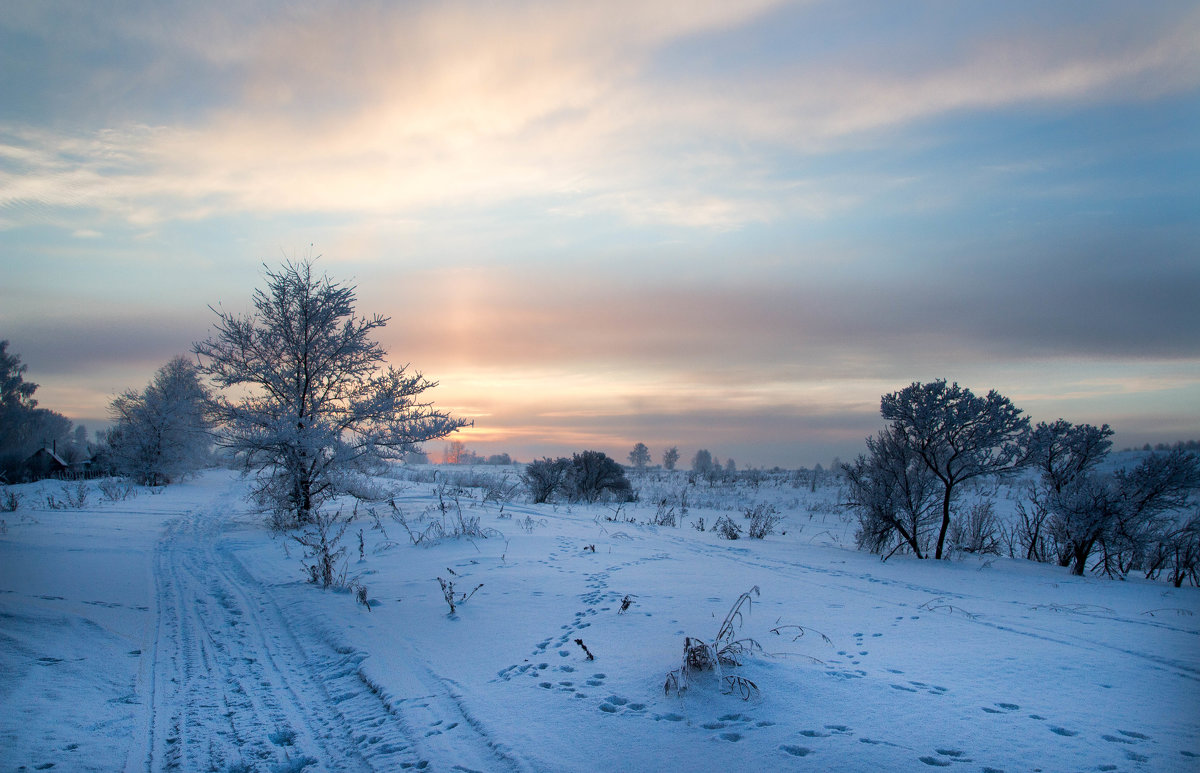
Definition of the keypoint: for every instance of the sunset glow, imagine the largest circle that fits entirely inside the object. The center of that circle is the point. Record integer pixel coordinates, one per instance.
(721, 225)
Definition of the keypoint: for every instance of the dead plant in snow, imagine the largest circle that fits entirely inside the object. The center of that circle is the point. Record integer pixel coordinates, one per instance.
(9, 501)
(724, 651)
(727, 650)
(763, 520)
(322, 552)
(117, 489)
(452, 598)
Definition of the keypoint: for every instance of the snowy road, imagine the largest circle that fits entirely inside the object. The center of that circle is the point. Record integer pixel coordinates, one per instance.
(235, 685)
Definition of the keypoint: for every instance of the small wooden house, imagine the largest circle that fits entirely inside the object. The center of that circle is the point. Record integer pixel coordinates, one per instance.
(45, 463)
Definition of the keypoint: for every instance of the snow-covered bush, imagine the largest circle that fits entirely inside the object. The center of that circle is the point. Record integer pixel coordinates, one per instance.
(9, 500)
(977, 531)
(588, 476)
(73, 497)
(545, 478)
(763, 520)
(117, 489)
(895, 496)
(594, 475)
(323, 551)
(726, 527)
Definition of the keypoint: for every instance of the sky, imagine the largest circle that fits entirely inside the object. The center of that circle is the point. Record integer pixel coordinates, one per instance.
(730, 226)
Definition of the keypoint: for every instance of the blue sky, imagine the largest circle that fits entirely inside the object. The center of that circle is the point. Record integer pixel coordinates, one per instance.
(730, 226)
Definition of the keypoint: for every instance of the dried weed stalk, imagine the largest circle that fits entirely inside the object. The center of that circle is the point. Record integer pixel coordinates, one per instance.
(452, 598)
(725, 651)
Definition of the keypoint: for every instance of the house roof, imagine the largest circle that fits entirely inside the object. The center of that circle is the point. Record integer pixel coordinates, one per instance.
(47, 452)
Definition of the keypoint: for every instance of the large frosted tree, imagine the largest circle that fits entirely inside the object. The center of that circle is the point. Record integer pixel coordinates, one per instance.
(310, 401)
(957, 435)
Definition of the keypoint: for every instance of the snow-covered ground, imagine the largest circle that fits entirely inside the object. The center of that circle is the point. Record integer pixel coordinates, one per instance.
(172, 630)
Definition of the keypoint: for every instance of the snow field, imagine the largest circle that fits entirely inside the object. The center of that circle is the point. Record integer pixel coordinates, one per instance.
(172, 631)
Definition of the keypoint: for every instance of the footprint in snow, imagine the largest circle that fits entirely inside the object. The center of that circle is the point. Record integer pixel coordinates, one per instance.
(936, 762)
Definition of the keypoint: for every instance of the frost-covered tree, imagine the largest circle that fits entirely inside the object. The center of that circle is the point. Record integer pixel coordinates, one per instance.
(1145, 505)
(670, 458)
(702, 462)
(311, 402)
(1062, 454)
(1133, 517)
(162, 432)
(895, 495)
(639, 457)
(957, 435)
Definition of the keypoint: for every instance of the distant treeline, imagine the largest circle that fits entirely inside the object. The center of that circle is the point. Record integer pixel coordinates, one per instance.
(1182, 445)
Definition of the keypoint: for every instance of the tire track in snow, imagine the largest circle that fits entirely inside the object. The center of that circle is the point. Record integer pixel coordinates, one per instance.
(234, 684)
(426, 712)
(230, 686)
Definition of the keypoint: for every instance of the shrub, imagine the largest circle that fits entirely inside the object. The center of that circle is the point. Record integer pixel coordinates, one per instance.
(665, 515)
(594, 475)
(545, 478)
(117, 489)
(726, 528)
(977, 531)
(9, 501)
(588, 476)
(322, 551)
(763, 520)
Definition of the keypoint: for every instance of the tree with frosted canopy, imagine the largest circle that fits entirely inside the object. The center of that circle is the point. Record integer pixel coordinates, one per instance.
(162, 432)
(639, 457)
(957, 435)
(310, 403)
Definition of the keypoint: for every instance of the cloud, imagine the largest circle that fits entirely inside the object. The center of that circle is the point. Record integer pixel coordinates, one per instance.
(409, 109)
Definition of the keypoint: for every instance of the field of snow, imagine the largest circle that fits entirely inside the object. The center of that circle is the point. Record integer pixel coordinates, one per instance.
(174, 631)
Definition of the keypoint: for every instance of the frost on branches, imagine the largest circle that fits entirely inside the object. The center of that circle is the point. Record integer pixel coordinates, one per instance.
(313, 404)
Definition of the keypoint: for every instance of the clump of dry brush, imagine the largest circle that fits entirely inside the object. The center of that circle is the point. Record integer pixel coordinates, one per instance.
(726, 651)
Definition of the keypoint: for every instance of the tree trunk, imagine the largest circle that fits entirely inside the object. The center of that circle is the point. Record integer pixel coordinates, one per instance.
(945, 523)
(1081, 552)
